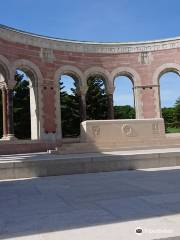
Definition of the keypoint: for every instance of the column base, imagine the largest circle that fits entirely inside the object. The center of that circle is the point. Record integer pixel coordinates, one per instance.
(8, 137)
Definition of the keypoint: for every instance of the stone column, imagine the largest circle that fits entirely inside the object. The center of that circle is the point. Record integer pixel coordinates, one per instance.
(138, 104)
(10, 113)
(157, 100)
(8, 129)
(4, 108)
(110, 106)
(82, 98)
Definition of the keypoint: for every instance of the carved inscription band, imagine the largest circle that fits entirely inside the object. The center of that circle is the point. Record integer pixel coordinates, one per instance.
(89, 47)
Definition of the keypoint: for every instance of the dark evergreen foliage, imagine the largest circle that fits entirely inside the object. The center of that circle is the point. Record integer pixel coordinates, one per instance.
(96, 99)
(124, 112)
(168, 114)
(21, 101)
(70, 114)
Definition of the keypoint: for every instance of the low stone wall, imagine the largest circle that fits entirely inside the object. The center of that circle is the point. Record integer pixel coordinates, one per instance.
(26, 146)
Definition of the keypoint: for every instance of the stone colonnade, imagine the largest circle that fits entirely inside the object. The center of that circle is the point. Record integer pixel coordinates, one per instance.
(7, 103)
(7, 107)
(44, 59)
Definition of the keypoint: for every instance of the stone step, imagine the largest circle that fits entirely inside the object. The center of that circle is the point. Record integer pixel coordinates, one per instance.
(70, 148)
(34, 165)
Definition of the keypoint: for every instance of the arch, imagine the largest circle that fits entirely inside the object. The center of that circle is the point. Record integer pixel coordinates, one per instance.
(5, 68)
(72, 71)
(99, 71)
(30, 68)
(167, 67)
(97, 80)
(70, 107)
(123, 98)
(77, 75)
(36, 79)
(128, 72)
(162, 69)
(136, 81)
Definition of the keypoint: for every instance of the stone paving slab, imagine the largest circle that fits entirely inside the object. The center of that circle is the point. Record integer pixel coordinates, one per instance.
(94, 206)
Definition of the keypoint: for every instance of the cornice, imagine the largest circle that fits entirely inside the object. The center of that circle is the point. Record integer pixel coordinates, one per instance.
(18, 36)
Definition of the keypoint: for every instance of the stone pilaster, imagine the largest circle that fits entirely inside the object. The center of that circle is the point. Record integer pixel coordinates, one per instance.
(138, 104)
(82, 99)
(157, 102)
(10, 112)
(4, 108)
(110, 106)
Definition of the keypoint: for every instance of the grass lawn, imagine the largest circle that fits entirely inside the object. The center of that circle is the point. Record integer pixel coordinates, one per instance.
(173, 130)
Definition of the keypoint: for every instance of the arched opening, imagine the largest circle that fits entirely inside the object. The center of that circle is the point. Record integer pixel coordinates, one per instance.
(123, 98)
(70, 105)
(96, 98)
(21, 107)
(170, 100)
(25, 105)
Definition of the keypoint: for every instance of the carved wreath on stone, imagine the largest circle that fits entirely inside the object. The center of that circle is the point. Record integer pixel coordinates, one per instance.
(96, 131)
(127, 130)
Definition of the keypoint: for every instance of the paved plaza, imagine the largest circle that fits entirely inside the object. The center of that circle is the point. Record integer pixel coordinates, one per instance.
(95, 206)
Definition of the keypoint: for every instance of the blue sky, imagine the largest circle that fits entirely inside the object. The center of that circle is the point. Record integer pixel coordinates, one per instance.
(100, 20)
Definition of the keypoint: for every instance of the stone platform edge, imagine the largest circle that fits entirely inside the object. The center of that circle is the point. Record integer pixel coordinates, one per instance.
(66, 165)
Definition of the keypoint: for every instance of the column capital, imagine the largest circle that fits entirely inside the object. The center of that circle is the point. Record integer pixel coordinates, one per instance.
(146, 86)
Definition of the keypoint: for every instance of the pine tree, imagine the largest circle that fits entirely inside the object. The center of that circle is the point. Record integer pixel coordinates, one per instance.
(70, 114)
(22, 117)
(96, 99)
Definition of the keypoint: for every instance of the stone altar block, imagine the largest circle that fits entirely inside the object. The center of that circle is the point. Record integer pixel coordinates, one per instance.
(109, 132)
(115, 135)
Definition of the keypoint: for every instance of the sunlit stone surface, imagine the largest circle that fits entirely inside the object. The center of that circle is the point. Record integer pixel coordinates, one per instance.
(92, 206)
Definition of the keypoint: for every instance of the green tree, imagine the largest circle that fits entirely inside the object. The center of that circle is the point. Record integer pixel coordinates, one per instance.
(124, 112)
(70, 114)
(177, 113)
(168, 114)
(96, 99)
